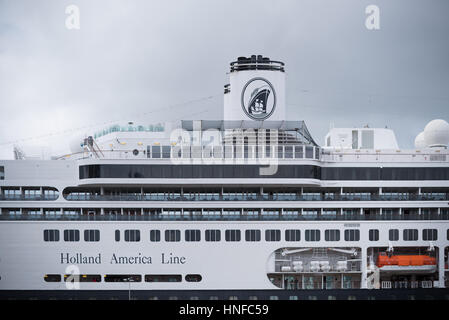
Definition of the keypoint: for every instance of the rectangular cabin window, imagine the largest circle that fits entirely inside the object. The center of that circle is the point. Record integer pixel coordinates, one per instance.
(91, 235)
(213, 235)
(272, 235)
(410, 234)
(117, 235)
(155, 151)
(163, 278)
(288, 152)
(292, 235)
(52, 278)
(352, 235)
(172, 235)
(51, 235)
(232, 235)
(373, 235)
(309, 152)
(393, 234)
(122, 278)
(252, 235)
(312, 235)
(132, 235)
(299, 152)
(82, 278)
(71, 235)
(430, 234)
(2, 173)
(332, 235)
(166, 150)
(155, 235)
(193, 235)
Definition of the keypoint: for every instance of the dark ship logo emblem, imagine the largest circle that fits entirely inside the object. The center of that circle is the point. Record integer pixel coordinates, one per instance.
(258, 99)
(258, 102)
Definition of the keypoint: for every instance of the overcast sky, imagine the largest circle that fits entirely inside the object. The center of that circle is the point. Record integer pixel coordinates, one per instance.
(133, 57)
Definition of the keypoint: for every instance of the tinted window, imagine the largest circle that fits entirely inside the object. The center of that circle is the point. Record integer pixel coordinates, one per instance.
(232, 235)
(332, 235)
(272, 235)
(410, 234)
(429, 234)
(213, 235)
(292, 235)
(352, 235)
(132, 235)
(51, 235)
(373, 235)
(195, 171)
(117, 235)
(91, 235)
(155, 235)
(193, 235)
(312, 235)
(172, 235)
(393, 235)
(71, 235)
(252, 235)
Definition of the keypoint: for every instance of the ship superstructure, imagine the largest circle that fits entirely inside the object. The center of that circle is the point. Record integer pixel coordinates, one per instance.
(247, 202)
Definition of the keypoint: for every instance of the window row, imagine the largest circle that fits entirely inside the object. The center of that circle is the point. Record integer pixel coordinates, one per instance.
(253, 171)
(72, 235)
(122, 278)
(251, 235)
(412, 234)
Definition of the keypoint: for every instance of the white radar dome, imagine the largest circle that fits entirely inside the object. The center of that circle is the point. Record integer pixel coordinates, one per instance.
(436, 133)
(419, 141)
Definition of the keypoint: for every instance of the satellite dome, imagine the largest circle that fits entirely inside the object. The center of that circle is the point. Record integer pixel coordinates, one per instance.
(436, 133)
(77, 143)
(419, 141)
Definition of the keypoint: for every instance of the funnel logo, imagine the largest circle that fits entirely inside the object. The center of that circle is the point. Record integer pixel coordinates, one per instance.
(258, 99)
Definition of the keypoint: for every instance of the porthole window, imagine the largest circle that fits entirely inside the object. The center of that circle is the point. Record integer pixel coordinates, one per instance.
(193, 278)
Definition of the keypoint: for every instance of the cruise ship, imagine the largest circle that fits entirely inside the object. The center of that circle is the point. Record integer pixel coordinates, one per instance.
(245, 207)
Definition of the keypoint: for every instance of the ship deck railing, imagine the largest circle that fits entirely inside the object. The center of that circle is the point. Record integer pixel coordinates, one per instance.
(381, 197)
(166, 217)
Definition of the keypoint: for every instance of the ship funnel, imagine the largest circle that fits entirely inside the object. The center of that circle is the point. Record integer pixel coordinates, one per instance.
(256, 90)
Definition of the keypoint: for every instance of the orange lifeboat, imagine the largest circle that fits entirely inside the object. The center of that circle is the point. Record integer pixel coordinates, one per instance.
(406, 263)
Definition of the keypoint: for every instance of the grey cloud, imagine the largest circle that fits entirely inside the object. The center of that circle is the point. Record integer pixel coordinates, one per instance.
(133, 57)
